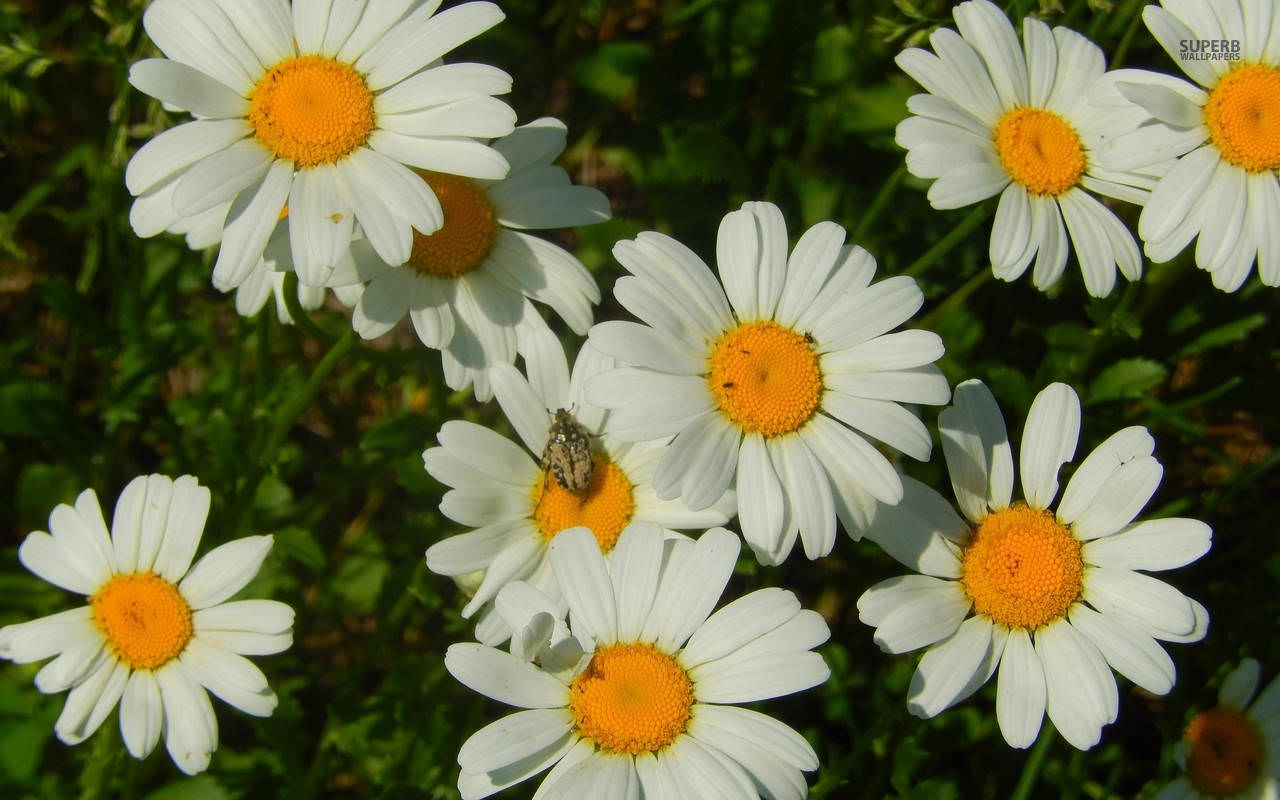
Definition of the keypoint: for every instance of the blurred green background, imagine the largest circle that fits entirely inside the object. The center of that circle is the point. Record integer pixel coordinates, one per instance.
(117, 358)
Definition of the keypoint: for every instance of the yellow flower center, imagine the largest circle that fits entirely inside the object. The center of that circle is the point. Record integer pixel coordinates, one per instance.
(1039, 150)
(631, 699)
(765, 378)
(605, 506)
(1226, 752)
(311, 110)
(145, 619)
(1022, 568)
(1243, 115)
(469, 228)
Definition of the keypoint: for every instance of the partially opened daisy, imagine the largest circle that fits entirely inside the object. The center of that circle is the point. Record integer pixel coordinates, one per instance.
(769, 383)
(1001, 119)
(1224, 189)
(157, 631)
(321, 107)
(466, 286)
(516, 503)
(636, 703)
(1233, 749)
(1050, 598)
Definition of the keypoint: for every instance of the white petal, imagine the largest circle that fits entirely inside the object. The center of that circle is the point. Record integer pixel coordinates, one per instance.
(231, 677)
(249, 616)
(761, 504)
(513, 738)
(636, 567)
(141, 713)
(172, 151)
(224, 570)
(188, 510)
(190, 729)
(89, 703)
(453, 155)
(1082, 694)
(928, 613)
(422, 38)
(751, 253)
(503, 677)
(1129, 651)
(690, 588)
(38, 639)
(738, 623)
(186, 88)
(808, 493)
(1020, 691)
(1099, 466)
(584, 578)
(1119, 500)
(219, 177)
(1048, 441)
(916, 531)
(250, 223)
(882, 419)
(1154, 603)
(954, 669)
(1152, 545)
(976, 447)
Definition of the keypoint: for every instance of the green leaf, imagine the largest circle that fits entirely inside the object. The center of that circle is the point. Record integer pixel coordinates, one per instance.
(301, 546)
(1125, 379)
(202, 787)
(1233, 331)
(614, 69)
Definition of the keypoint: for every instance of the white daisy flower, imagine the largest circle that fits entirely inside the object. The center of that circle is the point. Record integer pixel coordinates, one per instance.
(1233, 749)
(323, 107)
(1049, 597)
(465, 286)
(1224, 189)
(157, 631)
(999, 119)
(770, 388)
(636, 702)
(518, 507)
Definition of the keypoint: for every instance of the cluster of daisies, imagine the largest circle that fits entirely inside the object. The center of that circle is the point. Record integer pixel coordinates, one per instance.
(331, 141)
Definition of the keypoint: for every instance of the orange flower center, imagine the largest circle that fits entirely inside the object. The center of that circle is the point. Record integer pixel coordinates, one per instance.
(1243, 115)
(765, 378)
(1022, 568)
(1040, 150)
(605, 506)
(144, 618)
(470, 227)
(311, 110)
(1226, 752)
(631, 699)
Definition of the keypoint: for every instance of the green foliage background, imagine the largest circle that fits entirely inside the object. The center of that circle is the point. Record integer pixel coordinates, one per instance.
(117, 359)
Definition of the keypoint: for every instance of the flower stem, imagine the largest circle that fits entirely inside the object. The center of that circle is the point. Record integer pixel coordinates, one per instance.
(947, 243)
(878, 204)
(1031, 770)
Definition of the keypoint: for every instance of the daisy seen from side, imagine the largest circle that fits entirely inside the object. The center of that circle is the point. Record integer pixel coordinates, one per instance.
(1233, 749)
(321, 107)
(1224, 190)
(514, 502)
(770, 382)
(1053, 599)
(1015, 119)
(467, 286)
(638, 700)
(157, 631)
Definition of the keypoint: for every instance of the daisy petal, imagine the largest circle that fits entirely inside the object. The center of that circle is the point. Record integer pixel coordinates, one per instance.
(1048, 441)
(1020, 691)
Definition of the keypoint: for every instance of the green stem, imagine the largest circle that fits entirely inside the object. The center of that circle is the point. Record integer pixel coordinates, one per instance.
(878, 203)
(956, 298)
(282, 420)
(947, 243)
(1031, 770)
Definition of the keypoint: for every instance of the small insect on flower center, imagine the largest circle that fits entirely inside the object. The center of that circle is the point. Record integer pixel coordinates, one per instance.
(632, 699)
(146, 621)
(605, 505)
(1040, 150)
(765, 378)
(1243, 115)
(1226, 752)
(470, 228)
(1022, 568)
(311, 110)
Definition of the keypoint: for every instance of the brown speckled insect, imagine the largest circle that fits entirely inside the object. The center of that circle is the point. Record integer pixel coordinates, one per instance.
(568, 453)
